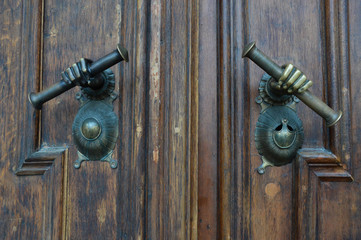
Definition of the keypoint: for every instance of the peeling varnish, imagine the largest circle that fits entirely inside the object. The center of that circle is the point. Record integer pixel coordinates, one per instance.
(139, 130)
(119, 19)
(344, 90)
(154, 76)
(53, 32)
(102, 213)
(177, 130)
(156, 155)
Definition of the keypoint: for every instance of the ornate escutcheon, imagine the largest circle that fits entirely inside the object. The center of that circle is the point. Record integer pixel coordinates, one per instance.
(279, 131)
(95, 127)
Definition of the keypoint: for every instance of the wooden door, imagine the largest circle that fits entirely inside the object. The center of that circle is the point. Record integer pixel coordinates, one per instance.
(187, 111)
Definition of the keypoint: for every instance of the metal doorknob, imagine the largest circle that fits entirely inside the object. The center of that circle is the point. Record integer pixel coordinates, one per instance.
(270, 67)
(118, 55)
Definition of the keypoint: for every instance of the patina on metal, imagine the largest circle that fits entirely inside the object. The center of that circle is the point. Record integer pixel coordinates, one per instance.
(95, 127)
(279, 131)
(93, 69)
(297, 85)
(91, 129)
(284, 135)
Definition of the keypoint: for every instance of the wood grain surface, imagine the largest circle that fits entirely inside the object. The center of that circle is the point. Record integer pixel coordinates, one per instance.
(186, 152)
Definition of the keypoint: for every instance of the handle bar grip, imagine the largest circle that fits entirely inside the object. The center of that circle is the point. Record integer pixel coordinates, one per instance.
(270, 67)
(118, 55)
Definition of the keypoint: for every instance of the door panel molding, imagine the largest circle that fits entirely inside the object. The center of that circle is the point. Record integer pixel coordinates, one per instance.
(32, 162)
(326, 53)
(159, 123)
(41, 161)
(312, 168)
(324, 164)
(30, 77)
(225, 120)
(336, 45)
(187, 116)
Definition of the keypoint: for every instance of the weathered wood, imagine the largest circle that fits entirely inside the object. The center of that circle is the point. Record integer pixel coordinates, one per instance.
(275, 29)
(193, 123)
(187, 114)
(40, 161)
(339, 209)
(325, 165)
(306, 200)
(337, 74)
(225, 121)
(171, 129)
(155, 156)
(243, 103)
(132, 107)
(324, 209)
(176, 154)
(207, 132)
(312, 167)
(72, 30)
(30, 206)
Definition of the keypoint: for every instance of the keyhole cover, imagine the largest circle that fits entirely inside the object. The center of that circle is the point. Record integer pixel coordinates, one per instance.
(284, 135)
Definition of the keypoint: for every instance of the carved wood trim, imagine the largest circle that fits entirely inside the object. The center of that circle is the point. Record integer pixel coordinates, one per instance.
(338, 76)
(30, 75)
(159, 106)
(313, 167)
(225, 96)
(40, 161)
(325, 165)
(207, 217)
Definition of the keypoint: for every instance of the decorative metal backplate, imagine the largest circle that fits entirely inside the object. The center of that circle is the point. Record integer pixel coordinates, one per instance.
(279, 131)
(95, 127)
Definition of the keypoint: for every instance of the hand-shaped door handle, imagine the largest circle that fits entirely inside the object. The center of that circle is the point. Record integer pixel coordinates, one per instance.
(118, 55)
(95, 127)
(279, 74)
(279, 132)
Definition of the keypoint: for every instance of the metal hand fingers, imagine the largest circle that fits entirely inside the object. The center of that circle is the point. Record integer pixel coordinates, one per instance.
(76, 72)
(293, 80)
(83, 65)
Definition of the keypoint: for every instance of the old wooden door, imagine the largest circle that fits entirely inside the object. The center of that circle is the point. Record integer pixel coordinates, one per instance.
(187, 111)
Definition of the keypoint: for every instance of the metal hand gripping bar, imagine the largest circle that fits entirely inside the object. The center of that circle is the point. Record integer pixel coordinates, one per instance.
(116, 56)
(275, 71)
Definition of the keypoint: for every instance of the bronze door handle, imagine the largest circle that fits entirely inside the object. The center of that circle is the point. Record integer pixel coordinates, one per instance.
(118, 55)
(270, 67)
(279, 132)
(95, 127)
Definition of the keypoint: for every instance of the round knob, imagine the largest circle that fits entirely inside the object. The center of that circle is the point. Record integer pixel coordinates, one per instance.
(91, 129)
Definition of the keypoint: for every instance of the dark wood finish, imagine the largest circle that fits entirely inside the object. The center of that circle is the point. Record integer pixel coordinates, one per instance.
(326, 166)
(39, 162)
(313, 168)
(207, 148)
(225, 135)
(31, 207)
(338, 76)
(132, 85)
(187, 114)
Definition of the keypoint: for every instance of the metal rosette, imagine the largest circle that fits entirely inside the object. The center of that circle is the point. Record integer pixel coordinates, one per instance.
(269, 96)
(105, 91)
